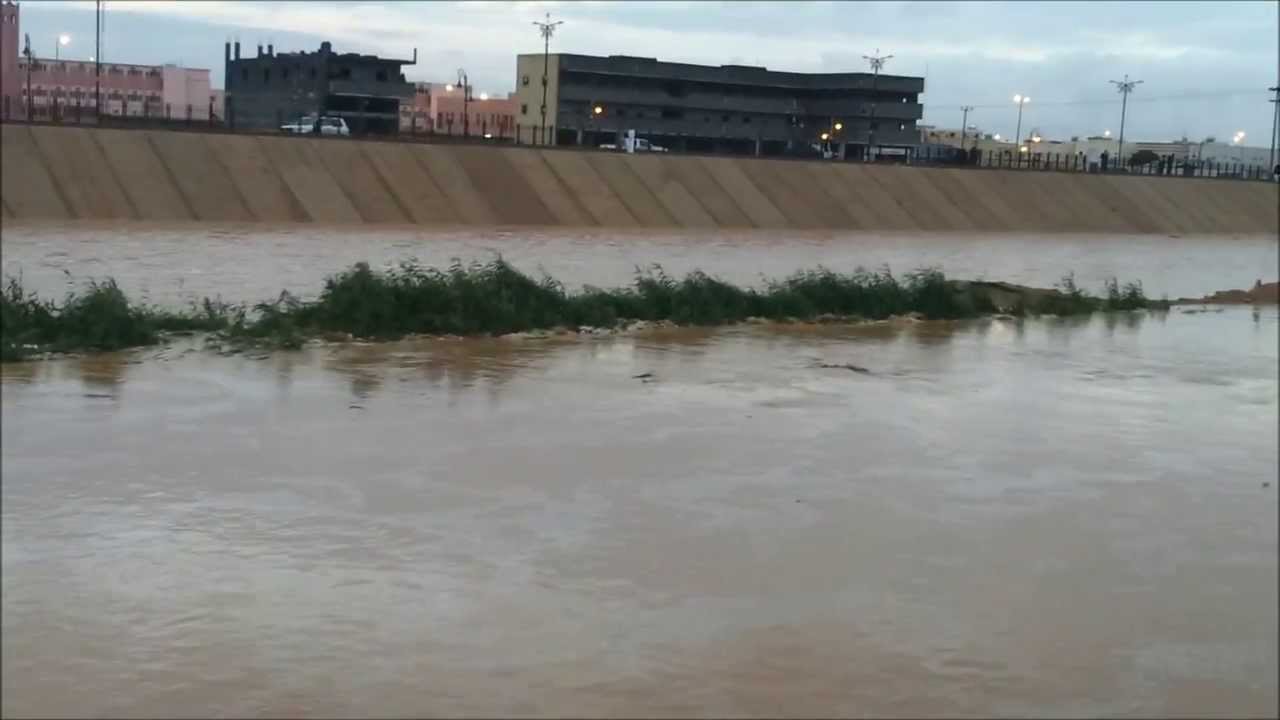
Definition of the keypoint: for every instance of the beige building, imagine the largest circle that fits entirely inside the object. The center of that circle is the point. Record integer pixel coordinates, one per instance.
(438, 108)
(528, 96)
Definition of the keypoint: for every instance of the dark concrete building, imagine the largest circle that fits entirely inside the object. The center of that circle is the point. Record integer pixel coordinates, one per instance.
(730, 108)
(269, 89)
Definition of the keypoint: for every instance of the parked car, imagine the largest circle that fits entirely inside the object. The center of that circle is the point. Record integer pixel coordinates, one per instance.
(328, 125)
(642, 145)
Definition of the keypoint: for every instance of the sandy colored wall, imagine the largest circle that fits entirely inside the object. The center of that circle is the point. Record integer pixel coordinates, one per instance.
(86, 173)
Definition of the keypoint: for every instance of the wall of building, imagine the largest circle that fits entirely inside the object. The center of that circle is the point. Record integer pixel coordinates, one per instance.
(184, 88)
(65, 173)
(528, 100)
(438, 108)
(10, 47)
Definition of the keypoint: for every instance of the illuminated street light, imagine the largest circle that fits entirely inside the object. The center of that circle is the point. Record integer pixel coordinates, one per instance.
(1022, 149)
(448, 88)
(63, 40)
(597, 110)
(484, 96)
(825, 136)
(1020, 101)
(1035, 138)
(996, 136)
(1124, 87)
(839, 126)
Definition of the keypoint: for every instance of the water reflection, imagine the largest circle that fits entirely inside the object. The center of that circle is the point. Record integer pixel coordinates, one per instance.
(102, 375)
(1004, 517)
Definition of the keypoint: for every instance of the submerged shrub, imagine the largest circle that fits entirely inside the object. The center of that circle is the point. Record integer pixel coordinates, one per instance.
(496, 298)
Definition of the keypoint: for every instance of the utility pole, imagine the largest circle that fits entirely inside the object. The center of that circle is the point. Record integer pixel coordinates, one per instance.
(1124, 87)
(26, 50)
(466, 98)
(964, 124)
(97, 62)
(547, 29)
(877, 61)
(1275, 117)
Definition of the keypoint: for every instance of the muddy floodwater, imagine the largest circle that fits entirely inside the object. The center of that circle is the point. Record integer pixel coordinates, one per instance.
(1056, 517)
(176, 264)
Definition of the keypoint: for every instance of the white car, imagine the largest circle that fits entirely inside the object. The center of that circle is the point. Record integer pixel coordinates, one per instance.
(642, 145)
(307, 124)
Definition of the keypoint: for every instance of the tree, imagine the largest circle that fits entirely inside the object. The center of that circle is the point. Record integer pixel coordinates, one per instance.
(1143, 157)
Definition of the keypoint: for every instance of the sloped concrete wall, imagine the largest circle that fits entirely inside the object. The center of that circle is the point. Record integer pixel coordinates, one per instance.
(66, 173)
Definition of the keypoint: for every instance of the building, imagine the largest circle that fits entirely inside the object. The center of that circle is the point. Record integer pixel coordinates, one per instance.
(267, 90)
(65, 90)
(10, 47)
(729, 108)
(438, 108)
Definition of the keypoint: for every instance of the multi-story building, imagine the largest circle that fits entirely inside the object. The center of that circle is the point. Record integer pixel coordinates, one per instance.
(729, 108)
(439, 108)
(269, 89)
(67, 90)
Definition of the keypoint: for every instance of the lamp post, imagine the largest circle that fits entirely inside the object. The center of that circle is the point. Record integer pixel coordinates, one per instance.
(1124, 87)
(1275, 117)
(964, 123)
(26, 50)
(466, 98)
(546, 29)
(63, 40)
(877, 61)
(1020, 101)
(97, 62)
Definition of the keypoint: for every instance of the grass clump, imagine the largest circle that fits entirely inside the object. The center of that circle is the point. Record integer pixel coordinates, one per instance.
(496, 298)
(99, 318)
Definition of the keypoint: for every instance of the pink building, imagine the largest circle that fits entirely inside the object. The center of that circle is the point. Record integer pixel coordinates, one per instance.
(438, 108)
(65, 89)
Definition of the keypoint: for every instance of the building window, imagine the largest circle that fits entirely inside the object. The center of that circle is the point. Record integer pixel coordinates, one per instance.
(244, 74)
(266, 75)
(381, 76)
(524, 109)
(746, 119)
(621, 112)
(284, 73)
(313, 73)
(724, 118)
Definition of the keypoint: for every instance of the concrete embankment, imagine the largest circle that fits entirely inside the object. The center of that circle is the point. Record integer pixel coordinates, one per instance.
(70, 173)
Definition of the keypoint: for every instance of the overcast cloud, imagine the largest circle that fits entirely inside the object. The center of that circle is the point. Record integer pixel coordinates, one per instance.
(1205, 65)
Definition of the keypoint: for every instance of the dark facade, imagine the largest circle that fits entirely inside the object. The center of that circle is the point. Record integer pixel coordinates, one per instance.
(730, 108)
(269, 89)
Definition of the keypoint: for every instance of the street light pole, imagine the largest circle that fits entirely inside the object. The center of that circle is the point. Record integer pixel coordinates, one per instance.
(1020, 100)
(466, 97)
(97, 62)
(26, 50)
(547, 29)
(1124, 87)
(1275, 116)
(964, 124)
(877, 61)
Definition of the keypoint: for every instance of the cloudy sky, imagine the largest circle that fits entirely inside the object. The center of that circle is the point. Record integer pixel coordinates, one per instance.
(1205, 65)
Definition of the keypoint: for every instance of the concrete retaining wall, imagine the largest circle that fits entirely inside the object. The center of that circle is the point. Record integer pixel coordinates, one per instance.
(68, 173)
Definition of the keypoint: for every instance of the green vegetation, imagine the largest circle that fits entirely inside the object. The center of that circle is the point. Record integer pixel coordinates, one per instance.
(101, 318)
(495, 298)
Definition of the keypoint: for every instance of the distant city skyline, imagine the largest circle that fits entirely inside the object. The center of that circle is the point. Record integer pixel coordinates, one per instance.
(1206, 65)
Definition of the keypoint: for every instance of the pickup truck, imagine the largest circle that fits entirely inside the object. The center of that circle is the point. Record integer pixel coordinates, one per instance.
(307, 124)
(642, 145)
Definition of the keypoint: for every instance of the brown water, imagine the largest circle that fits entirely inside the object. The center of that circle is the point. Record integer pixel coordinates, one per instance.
(179, 263)
(1053, 517)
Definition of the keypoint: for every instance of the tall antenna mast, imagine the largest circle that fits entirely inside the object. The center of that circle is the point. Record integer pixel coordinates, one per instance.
(1124, 87)
(877, 62)
(546, 29)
